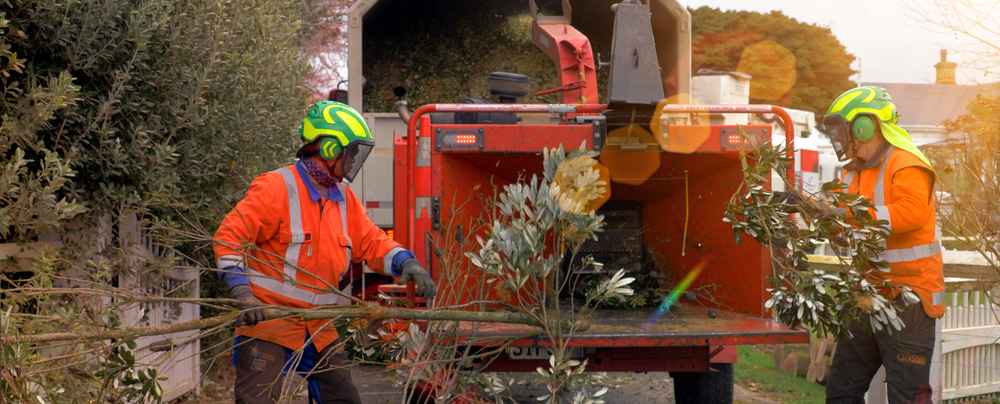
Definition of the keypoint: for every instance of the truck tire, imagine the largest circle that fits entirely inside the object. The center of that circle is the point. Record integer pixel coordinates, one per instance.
(704, 387)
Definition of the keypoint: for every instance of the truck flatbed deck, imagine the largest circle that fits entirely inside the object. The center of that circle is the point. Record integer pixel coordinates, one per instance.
(684, 326)
(685, 339)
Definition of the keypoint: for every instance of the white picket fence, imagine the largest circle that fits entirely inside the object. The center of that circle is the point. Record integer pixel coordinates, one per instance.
(175, 356)
(966, 363)
(970, 358)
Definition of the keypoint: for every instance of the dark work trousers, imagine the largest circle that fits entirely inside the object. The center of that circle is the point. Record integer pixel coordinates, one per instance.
(906, 355)
(260, 366)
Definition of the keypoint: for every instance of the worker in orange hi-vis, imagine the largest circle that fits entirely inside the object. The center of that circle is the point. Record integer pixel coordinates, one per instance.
(290, 242)
(887, 168)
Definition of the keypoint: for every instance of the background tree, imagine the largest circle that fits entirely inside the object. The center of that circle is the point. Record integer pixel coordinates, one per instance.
(324, 44)
(969, 172)
(793, 64)
(969, 168)
(973, 22)
(158, 105)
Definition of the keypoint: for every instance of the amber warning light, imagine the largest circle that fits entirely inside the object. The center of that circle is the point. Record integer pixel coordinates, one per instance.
(731, 138)
(460, 140)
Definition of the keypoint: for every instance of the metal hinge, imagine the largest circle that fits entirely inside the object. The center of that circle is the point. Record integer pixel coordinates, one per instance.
(436, 212)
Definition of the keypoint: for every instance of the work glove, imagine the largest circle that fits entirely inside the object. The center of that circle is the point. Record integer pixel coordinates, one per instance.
(823, 210)
(814, 208)
(253, 314)
(413, 271)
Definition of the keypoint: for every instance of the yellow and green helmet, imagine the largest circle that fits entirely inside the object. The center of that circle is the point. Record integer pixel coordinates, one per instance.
(852, 116)
(334, 128)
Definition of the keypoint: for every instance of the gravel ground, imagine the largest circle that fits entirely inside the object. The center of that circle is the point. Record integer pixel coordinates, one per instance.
(376, 387)
(645, 387)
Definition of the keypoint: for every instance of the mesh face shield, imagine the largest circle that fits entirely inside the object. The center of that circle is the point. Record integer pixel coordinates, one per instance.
(354, 156)
(838, 130)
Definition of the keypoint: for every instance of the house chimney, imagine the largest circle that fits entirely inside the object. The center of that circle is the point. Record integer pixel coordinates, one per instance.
(945, 69)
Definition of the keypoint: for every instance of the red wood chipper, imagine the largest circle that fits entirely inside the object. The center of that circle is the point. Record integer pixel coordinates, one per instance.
(671, 174)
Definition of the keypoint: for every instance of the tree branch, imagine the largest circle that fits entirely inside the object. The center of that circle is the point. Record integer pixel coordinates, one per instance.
(371, 312)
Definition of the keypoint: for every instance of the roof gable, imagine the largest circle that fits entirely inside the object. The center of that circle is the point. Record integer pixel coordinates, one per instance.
(931, 104)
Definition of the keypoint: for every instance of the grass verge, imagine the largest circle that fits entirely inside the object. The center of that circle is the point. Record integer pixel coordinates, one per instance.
(755, 372)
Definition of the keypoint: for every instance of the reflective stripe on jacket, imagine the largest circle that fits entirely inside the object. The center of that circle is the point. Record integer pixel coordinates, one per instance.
(295, 250)
(901, 189)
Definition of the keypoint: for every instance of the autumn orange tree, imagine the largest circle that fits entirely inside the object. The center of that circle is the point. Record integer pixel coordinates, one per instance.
(806, 66)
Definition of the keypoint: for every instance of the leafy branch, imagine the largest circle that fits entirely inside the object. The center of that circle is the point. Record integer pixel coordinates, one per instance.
(823, 302)
(530, 247)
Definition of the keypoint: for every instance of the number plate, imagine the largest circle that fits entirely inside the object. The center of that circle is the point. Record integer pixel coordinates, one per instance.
(519, 353)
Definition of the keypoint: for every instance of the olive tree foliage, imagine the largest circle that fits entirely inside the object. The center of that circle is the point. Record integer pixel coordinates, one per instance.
(157, 105)
(517, 253)
(29, 199)
(162, 109)
(821, 301)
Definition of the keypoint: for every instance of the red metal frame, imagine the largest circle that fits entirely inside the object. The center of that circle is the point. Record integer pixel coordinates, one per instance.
(411, 139)
(523, 138)
(747, 109)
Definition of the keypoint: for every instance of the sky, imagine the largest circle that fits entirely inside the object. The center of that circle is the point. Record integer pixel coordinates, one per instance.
(892, 48)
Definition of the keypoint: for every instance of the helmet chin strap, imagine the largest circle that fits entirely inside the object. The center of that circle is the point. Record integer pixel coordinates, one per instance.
(854, 146)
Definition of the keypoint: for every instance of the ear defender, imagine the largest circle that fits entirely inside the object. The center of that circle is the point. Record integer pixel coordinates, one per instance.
(329, 148)
(863, 129)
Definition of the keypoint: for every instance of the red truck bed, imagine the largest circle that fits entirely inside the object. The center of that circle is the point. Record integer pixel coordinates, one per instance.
(685, 339)
(687, 326)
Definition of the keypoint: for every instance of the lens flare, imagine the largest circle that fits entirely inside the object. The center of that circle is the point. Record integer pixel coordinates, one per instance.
(773, 69)
(631, 155)
(676, 294)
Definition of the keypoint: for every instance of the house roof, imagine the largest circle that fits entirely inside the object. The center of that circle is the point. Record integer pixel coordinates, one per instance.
(930, 104)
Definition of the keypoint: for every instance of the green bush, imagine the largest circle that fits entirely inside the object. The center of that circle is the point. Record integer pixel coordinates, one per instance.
(160, 107)
(165, 108)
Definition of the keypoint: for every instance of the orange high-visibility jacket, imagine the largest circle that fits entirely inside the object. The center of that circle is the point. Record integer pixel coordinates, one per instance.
(295, 250)
(901, 187)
